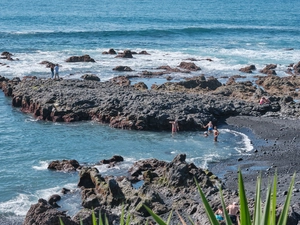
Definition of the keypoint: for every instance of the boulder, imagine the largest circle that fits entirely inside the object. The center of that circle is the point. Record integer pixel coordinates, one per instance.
(42, 213)
(110, 52)
(53, 200)
(125, 54)
(64, 165)
(84, 58)
(269, 69)
(143, 53)
(7, 55)
(112, 161)
(120, 80)
(296, 68)
(141, 86)
(190, 66)
(248, 69)
(122, 68)
(90, 77)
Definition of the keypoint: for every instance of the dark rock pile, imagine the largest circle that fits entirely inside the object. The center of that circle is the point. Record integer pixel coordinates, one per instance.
(165, 187)
(193, 102)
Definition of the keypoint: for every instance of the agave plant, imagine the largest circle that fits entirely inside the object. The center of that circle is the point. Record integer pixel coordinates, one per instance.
(105, 221)
(262, 215)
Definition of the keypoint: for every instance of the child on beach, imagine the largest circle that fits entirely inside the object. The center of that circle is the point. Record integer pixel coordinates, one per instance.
(175, 126)
(219, 214)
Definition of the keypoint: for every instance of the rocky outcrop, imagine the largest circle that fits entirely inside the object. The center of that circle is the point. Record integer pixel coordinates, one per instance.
(248, 69)
(269, 69)
(296, 68)
(53, 200)
(194, 101)
(110, 52)
(112, 161)
(144, 52)
(84, 58)
(125, 54)
(274, 85)
(90, 77)
(43, 213)
(64, 165)
(122, 68)
(169, 69)
(189, 66)
(164, 187)
(7, 55)
(194, 84)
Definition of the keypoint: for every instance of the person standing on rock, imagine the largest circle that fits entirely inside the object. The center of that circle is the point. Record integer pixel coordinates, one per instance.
(233, 210)
(175, 126)
(56, 68)
(52, 70)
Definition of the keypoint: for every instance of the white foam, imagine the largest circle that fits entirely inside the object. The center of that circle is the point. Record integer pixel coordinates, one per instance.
(18, 205)
(119, 169)
(246, 142)
(43, 165)
(224, 61)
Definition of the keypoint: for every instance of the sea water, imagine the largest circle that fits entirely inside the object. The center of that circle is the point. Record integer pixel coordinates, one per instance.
(232, 34)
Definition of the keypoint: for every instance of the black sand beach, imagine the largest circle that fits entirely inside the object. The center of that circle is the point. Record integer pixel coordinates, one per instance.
(276, 148)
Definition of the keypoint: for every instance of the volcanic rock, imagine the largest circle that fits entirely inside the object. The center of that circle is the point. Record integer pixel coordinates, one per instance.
(84, 58)
(64, 165)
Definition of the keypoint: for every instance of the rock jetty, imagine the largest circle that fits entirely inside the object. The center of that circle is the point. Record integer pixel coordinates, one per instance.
(192, 102)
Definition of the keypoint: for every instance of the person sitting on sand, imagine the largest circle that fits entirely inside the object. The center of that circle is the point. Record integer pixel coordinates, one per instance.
(264, 100)
(175, 126)
(216, 134)
(233, 210)
(219, 214)
(209, 127)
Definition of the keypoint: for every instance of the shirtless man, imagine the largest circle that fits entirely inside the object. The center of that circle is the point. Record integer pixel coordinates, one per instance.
(209, 127)
(233, 210)
(216, 134)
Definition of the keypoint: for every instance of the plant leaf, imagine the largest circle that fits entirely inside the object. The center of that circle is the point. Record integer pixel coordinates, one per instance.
(210, 214)
(284, 214)
(244, 210)
(155, 217)
(226, 216)
(257, 205)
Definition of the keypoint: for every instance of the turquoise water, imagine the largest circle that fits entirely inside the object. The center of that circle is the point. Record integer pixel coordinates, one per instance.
(233, 34)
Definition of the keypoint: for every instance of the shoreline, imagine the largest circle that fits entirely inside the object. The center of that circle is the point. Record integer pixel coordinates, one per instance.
(276, 146)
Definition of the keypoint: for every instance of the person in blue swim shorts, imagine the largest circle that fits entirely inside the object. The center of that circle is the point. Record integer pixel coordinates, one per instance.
(209, 126)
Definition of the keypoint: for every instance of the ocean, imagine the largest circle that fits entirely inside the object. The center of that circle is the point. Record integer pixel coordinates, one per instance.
(231, 34)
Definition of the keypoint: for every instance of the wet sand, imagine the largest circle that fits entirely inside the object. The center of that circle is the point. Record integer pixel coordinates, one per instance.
(276, 148)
